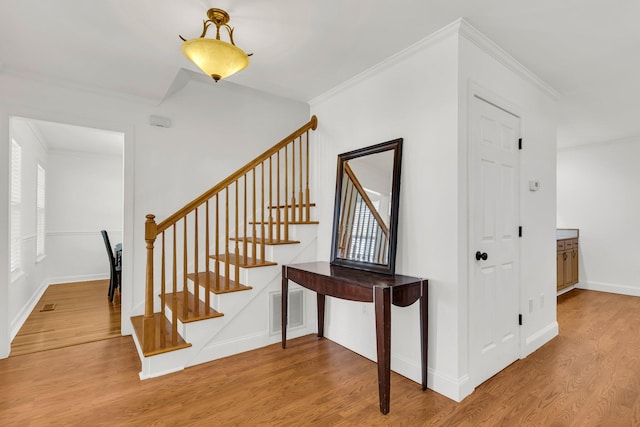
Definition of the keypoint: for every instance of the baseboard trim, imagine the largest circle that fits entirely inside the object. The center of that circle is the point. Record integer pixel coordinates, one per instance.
(220, 349)
(610, 287)
(144, 375)
(73, 279)
(539, 338)
(454, 389)
(27, 309)
(565, 290)
(407, 368)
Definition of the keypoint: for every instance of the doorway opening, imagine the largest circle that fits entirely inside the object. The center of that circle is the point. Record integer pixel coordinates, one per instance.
(72, 185)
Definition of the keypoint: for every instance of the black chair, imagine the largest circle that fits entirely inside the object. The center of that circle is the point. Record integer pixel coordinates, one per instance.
(114, 281)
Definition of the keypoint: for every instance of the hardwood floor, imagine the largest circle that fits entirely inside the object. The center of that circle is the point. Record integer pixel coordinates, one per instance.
(82, 314)
(587, 376)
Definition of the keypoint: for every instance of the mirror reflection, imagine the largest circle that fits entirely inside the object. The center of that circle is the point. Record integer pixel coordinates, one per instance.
(365, 215)
(366, 208)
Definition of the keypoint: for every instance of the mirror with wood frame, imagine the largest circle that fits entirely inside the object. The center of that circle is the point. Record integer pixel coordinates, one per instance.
(365, 216)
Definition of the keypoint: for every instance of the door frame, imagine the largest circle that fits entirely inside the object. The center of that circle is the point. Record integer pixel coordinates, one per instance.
(476, 90)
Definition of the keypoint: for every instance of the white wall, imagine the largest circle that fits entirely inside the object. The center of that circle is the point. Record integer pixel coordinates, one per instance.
(5, 156)
(84, 196)
(421, 95)
(216, 129)
(26, 288)
(598, 193)
(413, 97)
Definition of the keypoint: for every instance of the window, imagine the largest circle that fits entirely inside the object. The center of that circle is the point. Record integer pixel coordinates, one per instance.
(40, 198)
(16, 205)
(364, 234)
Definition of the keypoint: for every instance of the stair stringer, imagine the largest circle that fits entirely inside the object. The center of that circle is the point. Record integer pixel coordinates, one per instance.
(263, 280)
(202, 334)
(248, 328)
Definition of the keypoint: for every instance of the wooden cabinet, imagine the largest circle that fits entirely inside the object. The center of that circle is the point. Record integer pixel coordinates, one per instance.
(567, 262)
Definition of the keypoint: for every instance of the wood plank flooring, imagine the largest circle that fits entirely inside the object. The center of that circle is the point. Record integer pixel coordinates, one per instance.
(587, 376)
(82, 314)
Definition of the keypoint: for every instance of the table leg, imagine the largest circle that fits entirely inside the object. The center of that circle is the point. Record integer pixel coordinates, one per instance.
(321, 298)
(284, 305)
(382, 301)
(424, 330)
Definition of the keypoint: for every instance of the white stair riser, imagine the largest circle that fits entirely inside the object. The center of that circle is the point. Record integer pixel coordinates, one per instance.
(312, 212)
(300, 232)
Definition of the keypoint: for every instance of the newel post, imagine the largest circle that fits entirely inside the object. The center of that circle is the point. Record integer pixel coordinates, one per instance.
(148, 326)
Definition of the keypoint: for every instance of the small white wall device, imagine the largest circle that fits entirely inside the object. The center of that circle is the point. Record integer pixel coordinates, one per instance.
(159, 121)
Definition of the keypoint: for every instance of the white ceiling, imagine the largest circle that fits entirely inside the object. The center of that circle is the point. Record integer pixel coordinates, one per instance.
(60, 137)
(588, 50)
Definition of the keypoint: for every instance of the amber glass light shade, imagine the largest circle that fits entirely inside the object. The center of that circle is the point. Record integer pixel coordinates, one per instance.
(216, 58)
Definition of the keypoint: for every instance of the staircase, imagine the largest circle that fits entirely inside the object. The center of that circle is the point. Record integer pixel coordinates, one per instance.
(213, 266)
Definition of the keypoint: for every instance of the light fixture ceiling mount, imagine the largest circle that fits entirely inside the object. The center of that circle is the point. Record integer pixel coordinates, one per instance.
(215, 57)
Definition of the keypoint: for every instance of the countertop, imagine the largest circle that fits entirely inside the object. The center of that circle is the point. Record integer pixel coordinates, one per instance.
(567, 233)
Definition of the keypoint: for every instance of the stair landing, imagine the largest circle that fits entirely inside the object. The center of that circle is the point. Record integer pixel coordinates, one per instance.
(164, 340)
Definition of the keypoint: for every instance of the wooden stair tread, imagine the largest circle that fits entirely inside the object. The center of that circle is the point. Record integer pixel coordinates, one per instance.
(297, 206)
(282, 222)
(194, 312)
(249, 263)
(222, 287)
(163, 341)
(266, 241)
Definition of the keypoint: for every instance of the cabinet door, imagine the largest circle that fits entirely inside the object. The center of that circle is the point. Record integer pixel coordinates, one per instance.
(574, 265)
(560, 270)
(566, 259)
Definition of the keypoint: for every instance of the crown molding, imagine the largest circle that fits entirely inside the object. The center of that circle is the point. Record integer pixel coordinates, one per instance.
(627, 140)
(463, 28)
(66, 84)
(34, 128)
(420, 45)
(472, 34)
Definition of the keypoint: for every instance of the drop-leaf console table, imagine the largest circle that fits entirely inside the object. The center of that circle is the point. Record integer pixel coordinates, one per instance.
(358, 285)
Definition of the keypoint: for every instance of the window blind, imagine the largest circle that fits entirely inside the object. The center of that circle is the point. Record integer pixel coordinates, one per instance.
(16, 205)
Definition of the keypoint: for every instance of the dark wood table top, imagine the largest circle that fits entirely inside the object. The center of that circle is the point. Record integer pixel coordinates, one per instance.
(352, 284)
(357, 277)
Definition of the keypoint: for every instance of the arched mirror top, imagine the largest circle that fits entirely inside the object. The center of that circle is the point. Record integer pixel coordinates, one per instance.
(365, 219)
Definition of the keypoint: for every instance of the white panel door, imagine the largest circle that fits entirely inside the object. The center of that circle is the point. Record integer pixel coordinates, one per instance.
(493, 227)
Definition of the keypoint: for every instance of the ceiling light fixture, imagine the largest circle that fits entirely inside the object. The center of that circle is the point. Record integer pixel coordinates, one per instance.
(215, 57)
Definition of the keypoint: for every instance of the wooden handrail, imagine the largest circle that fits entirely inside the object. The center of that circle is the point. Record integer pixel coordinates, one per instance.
(172, 219)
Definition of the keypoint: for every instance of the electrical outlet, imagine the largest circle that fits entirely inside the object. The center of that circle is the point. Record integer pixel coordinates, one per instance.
(531, 306)
(541, 300)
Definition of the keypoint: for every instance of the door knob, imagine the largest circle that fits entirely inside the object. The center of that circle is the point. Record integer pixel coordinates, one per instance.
(481, 256)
